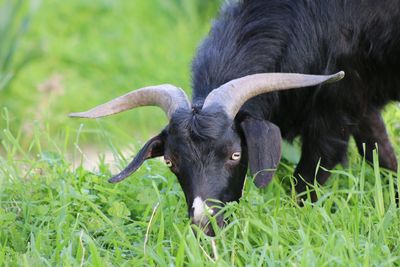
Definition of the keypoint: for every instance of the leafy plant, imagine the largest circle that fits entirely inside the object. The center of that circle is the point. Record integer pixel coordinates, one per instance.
(14, 21)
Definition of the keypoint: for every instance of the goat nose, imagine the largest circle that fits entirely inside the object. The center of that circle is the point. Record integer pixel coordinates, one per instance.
(199, 211)
(199, 215)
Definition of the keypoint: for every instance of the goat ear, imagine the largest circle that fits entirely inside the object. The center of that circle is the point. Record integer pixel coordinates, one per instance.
(153, 148)
(263, 140)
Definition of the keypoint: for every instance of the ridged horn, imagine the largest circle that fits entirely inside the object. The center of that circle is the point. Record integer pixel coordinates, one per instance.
(232, 95)
(168, 97)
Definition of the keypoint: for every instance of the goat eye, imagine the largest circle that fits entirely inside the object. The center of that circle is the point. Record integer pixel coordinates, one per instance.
(235, 156)
(168, 163)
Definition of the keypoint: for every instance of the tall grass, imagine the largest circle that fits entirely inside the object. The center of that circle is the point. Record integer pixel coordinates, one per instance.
(54, 213)
(14, 22)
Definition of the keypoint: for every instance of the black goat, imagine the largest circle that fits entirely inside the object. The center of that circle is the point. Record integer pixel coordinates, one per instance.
(237, 117)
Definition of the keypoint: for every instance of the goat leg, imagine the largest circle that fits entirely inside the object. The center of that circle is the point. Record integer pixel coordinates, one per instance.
(371, 131)
(326, 149)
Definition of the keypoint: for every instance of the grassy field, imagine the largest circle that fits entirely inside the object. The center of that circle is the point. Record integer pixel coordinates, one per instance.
(57, 211)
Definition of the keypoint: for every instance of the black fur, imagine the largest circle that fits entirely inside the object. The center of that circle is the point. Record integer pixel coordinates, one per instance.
(200, 145)
(313, 37)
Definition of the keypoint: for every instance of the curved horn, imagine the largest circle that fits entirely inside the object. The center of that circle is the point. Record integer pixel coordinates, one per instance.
(233, 94)
(166, 96)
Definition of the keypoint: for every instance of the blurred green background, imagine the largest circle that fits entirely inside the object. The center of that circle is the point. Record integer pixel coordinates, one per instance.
(80, 53)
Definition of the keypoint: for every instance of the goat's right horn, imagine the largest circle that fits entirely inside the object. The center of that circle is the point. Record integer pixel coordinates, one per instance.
(168, 97)
(232, 95)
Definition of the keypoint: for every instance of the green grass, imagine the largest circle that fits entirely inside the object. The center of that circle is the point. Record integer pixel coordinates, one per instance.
(54, 211)
(14, 22)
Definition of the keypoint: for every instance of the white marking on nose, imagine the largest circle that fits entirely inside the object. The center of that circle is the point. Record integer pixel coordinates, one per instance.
(199, 208)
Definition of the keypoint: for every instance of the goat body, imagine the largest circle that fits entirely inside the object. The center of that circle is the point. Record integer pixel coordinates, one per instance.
(360, 37)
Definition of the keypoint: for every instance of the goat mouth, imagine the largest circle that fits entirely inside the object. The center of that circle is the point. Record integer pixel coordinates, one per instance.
(207, 226)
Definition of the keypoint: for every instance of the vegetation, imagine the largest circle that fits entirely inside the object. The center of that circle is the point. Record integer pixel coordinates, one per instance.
(14, 22)
(57, 210)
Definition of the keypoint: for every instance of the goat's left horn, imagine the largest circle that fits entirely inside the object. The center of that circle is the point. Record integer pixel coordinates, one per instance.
(168, 97)
(233, 94)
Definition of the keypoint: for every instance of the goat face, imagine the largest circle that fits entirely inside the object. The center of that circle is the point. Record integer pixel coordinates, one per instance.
(208, 149)
(204, 150)
(209, 153)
